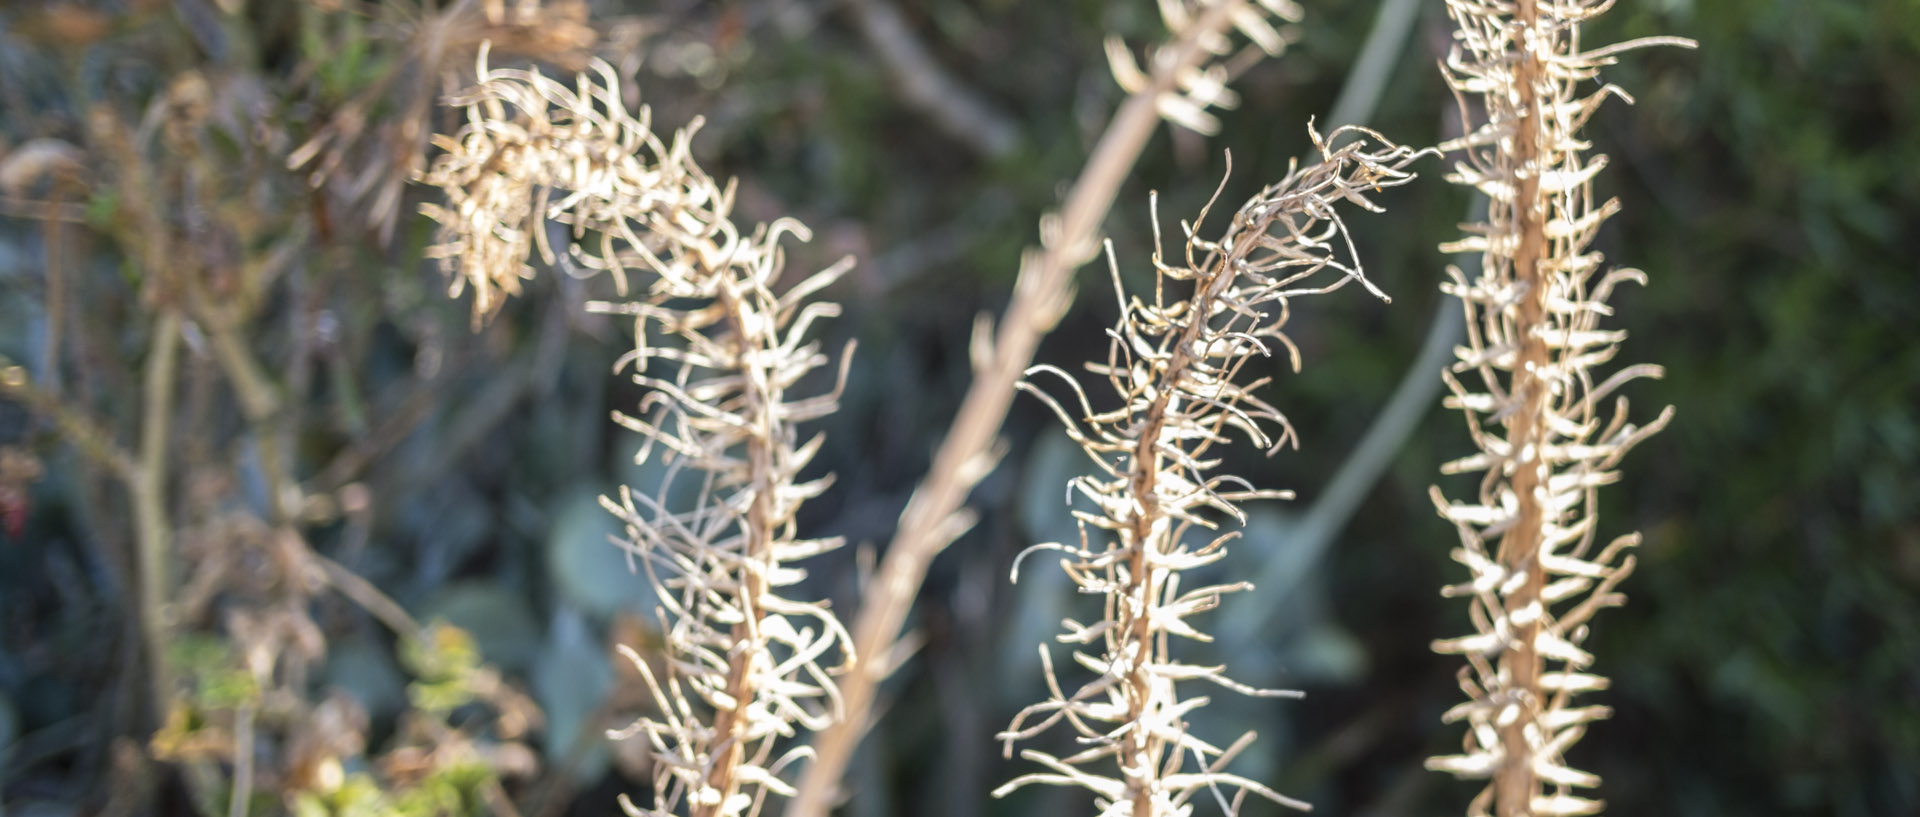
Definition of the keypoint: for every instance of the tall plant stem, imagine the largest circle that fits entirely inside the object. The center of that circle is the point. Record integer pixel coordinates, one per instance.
(1041, 295)
(1138, 760)
(152, 530)
(1519, 550)
(729, 724)
(143, 472)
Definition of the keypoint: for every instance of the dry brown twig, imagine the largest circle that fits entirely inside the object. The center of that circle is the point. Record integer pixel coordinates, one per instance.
(1175, 365)
(1529, 535)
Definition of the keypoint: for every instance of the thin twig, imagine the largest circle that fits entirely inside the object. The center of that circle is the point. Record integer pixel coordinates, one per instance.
(369, 597)
(86, 435)
(153, 531)
(243, 738)
(924, 84)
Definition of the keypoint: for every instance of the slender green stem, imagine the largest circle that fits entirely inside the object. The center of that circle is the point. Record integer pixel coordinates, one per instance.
(152, 529)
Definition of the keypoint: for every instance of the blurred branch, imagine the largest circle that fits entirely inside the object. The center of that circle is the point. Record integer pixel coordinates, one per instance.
(17, 207)
(243, 751)
(924, 84)
(257, 395)
(87, 436)
(369, 597)
(536, 370)
(933, 517)
(351, 462)
(143, 473)
(53, 239)
(153, 532)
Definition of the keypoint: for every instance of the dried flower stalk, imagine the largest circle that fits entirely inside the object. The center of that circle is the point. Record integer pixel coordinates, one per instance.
(1182, 78)
(746, 665)
(1175, 365)
(1529, 536)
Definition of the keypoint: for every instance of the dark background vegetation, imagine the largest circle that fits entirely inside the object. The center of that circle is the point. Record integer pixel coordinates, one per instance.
(1768, 663)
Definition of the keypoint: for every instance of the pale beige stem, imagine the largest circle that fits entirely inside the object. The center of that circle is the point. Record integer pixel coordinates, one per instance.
(1139, 757)
(1515, 784)
(152, 530)
(729, 725)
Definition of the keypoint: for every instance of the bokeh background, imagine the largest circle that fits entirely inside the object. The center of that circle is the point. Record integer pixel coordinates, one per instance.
(1767, 664)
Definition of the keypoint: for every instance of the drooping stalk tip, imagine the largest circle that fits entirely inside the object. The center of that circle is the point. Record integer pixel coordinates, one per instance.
(747, 668)
(1176, 367)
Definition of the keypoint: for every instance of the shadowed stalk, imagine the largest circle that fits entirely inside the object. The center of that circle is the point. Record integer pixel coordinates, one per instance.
(1544, 447)
(1176, 364)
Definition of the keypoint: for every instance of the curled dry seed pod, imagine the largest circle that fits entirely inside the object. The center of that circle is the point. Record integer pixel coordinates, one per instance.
(1529, 536)
(1175, 366)
(746, 665)
(535, 150)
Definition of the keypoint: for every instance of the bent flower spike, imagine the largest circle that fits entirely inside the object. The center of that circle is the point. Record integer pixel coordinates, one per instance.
(1176, 365)
(747, 667)
(1537, 414)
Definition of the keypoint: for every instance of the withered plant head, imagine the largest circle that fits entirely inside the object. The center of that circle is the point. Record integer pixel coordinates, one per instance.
(1177, 367)
(1267, 25)
(721, 350)
(364, 157)
(1538, 413)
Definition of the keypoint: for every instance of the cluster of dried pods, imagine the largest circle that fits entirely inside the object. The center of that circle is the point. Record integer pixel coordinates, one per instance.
(747, 667)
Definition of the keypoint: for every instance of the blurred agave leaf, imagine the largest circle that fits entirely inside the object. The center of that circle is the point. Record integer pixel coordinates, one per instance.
(451, 521)
(1042, 594)
(587, 567)
(367, 672)
(1263, 544)
(9, 729)
(1301, 642)
(1045, 505)
(570, 679)
(499, 620)
(1324, 653)
(1266, 540)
